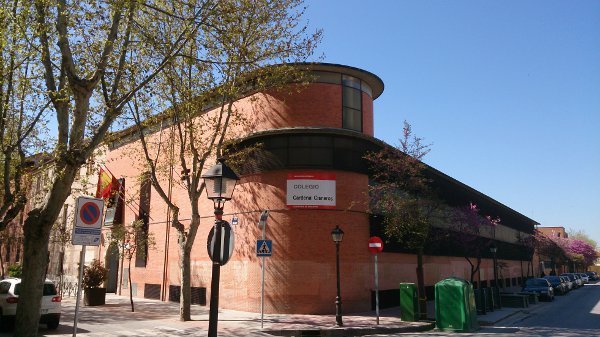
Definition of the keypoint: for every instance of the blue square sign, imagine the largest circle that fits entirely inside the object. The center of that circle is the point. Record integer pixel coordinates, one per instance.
(264, 247)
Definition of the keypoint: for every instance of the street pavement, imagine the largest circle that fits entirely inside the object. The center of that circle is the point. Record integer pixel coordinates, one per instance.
(157, 318)
(573, 315)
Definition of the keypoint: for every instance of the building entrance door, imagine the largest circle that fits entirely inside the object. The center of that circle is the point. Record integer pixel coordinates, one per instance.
(112, 263)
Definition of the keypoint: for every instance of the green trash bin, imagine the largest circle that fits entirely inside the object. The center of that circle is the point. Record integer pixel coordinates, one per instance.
(409, 302)
(455, 305)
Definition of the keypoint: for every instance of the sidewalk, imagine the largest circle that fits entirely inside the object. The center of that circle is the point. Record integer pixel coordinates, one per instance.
(491, 317)
(157, 318)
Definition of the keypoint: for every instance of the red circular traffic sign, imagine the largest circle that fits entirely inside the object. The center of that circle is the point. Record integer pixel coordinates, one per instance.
(89, 213)
(375, 245)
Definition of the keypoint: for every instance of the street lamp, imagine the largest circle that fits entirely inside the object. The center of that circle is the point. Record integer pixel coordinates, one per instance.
(496, 295)
(219, 182)
(337, 234)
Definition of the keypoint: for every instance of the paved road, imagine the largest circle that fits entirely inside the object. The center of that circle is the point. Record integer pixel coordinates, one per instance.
(576, 314)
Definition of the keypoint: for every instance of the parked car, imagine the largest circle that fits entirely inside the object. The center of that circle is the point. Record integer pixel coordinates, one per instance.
(592, 275)
(578, 279)
(568, 283)
(575, 279)
(584, 277)
(10, 289)
(558, 284)
(540, 286)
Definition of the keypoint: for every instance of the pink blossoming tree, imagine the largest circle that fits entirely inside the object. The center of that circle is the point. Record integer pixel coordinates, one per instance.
(468, 225)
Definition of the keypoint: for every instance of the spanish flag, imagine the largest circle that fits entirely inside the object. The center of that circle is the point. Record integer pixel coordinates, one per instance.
(106, 181)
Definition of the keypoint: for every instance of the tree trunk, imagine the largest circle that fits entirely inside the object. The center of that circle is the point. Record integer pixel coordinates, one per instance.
(34, 260)
(130, 286)
(421, 286)
(36, 231)
(2, 263)
(473, 271)
(522, 275)
(478, 269)
(479, 287)
(185, 294)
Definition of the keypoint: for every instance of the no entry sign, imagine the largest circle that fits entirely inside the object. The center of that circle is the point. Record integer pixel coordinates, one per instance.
(375, 245)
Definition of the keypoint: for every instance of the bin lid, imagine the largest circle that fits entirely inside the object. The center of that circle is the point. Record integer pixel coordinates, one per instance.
(453, 281)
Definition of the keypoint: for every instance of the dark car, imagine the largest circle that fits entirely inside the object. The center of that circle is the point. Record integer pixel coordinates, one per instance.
(557, 284)
(540, 286)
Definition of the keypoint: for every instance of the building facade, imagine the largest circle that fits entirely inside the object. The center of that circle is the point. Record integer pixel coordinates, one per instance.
(312, 177)
(556, 232)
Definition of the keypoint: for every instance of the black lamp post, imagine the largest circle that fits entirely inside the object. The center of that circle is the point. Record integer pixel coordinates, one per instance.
(337, 234)
(219, 181)
(496, 290)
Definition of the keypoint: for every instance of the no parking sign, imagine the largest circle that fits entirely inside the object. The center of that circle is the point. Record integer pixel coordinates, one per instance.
(88, 221)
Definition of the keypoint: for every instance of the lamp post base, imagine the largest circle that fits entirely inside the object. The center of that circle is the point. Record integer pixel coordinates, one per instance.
(338, 312)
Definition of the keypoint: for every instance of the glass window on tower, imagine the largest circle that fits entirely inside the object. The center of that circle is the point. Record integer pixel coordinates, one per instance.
(351, 103)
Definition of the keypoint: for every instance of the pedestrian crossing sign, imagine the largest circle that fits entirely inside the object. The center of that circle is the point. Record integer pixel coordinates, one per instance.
(264, 247)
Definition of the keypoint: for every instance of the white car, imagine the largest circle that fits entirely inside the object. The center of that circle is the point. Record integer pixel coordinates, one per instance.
(584, 278)
(9, 297)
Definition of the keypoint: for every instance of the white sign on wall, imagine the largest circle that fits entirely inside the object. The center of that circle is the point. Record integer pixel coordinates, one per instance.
(311, 190)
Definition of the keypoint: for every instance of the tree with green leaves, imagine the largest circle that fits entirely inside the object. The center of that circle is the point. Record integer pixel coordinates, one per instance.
(21, 110)
(403, 196)
(244, 48)
(93, 58)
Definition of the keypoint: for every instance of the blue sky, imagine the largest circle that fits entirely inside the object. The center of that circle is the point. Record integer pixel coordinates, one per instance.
(508, 92)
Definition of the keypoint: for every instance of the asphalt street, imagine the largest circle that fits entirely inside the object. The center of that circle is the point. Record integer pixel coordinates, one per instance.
(576, 314)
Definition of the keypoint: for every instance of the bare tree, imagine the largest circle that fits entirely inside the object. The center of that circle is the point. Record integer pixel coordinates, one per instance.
(133, 239)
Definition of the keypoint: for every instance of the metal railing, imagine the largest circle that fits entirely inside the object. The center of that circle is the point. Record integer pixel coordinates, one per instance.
(65, 285)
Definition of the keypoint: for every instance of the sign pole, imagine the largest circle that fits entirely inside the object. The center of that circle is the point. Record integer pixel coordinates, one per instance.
(86, 231)
(376, 290)
(213, 318)
(376, 247)
(262, 287)
(262, 223)
(81, 263)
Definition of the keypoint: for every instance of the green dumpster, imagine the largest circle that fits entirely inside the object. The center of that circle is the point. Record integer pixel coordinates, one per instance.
(455, 305)
(409, 302)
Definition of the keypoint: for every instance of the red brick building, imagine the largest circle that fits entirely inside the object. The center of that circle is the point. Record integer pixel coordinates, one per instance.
(313, 180)
(557, 232)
